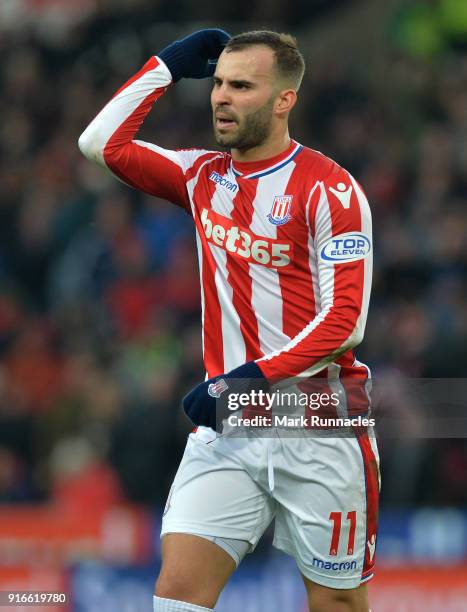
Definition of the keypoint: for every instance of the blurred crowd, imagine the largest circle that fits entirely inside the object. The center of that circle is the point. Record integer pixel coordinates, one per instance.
(99, 293)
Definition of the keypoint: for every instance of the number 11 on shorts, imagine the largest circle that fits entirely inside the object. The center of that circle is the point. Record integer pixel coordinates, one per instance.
(336, 518)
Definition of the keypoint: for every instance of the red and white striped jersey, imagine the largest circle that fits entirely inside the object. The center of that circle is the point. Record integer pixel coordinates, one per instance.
(284, 244)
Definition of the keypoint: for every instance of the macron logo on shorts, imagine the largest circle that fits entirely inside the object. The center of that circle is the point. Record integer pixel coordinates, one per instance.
(334, 565)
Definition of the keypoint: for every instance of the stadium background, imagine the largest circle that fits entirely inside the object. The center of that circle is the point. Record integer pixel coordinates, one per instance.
(99, 294)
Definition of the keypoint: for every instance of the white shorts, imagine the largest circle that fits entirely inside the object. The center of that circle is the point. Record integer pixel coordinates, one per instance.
(322, 492)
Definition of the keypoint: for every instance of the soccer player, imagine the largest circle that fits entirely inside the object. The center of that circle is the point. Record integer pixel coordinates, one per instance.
(284, 244)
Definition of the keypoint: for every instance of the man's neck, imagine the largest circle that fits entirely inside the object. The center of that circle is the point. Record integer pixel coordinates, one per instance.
(270, 148)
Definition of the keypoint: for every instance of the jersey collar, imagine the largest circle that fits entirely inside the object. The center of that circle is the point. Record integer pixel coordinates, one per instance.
(257, 169)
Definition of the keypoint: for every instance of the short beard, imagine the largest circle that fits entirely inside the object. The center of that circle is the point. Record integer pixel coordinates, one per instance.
(254, 131)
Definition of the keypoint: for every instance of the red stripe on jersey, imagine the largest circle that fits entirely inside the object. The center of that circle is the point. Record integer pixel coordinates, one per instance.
(239, 272)
(213, 349)
(353, 379)
(372, 496)
(151, 64)
(298, 301)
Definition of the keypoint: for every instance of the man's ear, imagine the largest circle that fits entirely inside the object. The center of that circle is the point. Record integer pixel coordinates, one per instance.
(285, 101)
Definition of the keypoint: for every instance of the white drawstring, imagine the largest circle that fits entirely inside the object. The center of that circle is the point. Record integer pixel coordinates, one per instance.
(270, 469)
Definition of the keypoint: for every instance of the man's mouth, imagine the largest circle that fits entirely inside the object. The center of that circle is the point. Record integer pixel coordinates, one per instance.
(224, 122)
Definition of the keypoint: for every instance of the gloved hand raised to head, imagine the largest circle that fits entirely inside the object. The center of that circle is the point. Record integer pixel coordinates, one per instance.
(195, 56)
(207, 403)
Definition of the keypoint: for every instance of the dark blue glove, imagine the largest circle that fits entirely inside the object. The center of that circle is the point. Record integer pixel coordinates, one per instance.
(206, 404)
(195, 56)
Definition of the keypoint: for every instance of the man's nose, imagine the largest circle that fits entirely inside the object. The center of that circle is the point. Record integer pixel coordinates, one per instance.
(221, 96)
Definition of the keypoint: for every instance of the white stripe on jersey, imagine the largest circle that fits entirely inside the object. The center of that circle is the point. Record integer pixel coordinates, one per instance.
(266, 299)
(232, 338)
(183, 158)
(172, 155)
(313, 261)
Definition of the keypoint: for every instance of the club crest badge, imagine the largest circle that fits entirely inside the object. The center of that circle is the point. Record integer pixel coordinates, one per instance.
(216, 389)
(280, 211)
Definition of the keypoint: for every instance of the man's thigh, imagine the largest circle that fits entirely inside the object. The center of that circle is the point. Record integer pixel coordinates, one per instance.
(213, 495)
(325, 599)
(327, 492)
(194, 570)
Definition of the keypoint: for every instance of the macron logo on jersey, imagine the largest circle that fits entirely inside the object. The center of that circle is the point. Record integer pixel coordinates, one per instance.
(215, 177)
(242, 243)
(342, 193)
